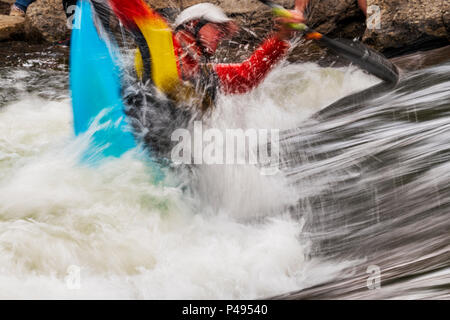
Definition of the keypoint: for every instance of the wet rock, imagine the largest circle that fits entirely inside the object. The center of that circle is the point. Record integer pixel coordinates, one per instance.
(11, 26)
(407, 23)
(404, 25)
(422, 59)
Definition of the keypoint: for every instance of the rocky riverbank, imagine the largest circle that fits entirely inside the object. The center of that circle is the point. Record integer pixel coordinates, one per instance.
(393, 27)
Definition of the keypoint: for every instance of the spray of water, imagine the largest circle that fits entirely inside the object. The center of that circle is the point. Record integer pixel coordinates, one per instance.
(130, 238)
(361, 187)
(373, 181)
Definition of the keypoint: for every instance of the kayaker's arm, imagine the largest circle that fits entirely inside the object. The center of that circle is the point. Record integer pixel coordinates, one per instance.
(242, 77)
(363, 6)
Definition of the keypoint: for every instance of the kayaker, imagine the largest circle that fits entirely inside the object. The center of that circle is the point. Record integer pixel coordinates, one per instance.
(198, 31)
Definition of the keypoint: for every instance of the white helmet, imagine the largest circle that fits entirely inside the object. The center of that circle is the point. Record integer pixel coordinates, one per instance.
(205, 11)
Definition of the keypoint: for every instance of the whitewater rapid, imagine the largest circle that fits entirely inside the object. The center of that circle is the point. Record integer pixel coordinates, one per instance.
(123, 236)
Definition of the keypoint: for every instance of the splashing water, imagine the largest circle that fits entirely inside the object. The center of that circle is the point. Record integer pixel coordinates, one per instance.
(237, 235)
(374, 183)
(133, 239)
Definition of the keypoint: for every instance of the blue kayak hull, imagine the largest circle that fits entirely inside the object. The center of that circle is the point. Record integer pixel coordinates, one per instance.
(96, 89)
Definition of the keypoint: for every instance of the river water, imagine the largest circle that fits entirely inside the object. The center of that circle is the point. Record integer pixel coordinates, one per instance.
(342, 202)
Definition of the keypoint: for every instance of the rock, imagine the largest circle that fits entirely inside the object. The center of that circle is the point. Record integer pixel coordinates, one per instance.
(48, 17)
(405, 23)
(5, 8)
(18, 28)
(422, 59)
(11, 27)
(230, 6)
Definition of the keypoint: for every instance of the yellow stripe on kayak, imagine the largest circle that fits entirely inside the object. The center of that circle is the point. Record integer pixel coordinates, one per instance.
(139, 64)
(164, 64)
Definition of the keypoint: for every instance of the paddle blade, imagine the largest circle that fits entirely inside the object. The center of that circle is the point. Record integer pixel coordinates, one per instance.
(366, 58)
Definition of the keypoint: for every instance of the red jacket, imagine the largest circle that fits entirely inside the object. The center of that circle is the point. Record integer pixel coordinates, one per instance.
(238, 78)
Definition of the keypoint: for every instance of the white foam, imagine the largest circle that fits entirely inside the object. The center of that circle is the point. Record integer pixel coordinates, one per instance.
(133, 239)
